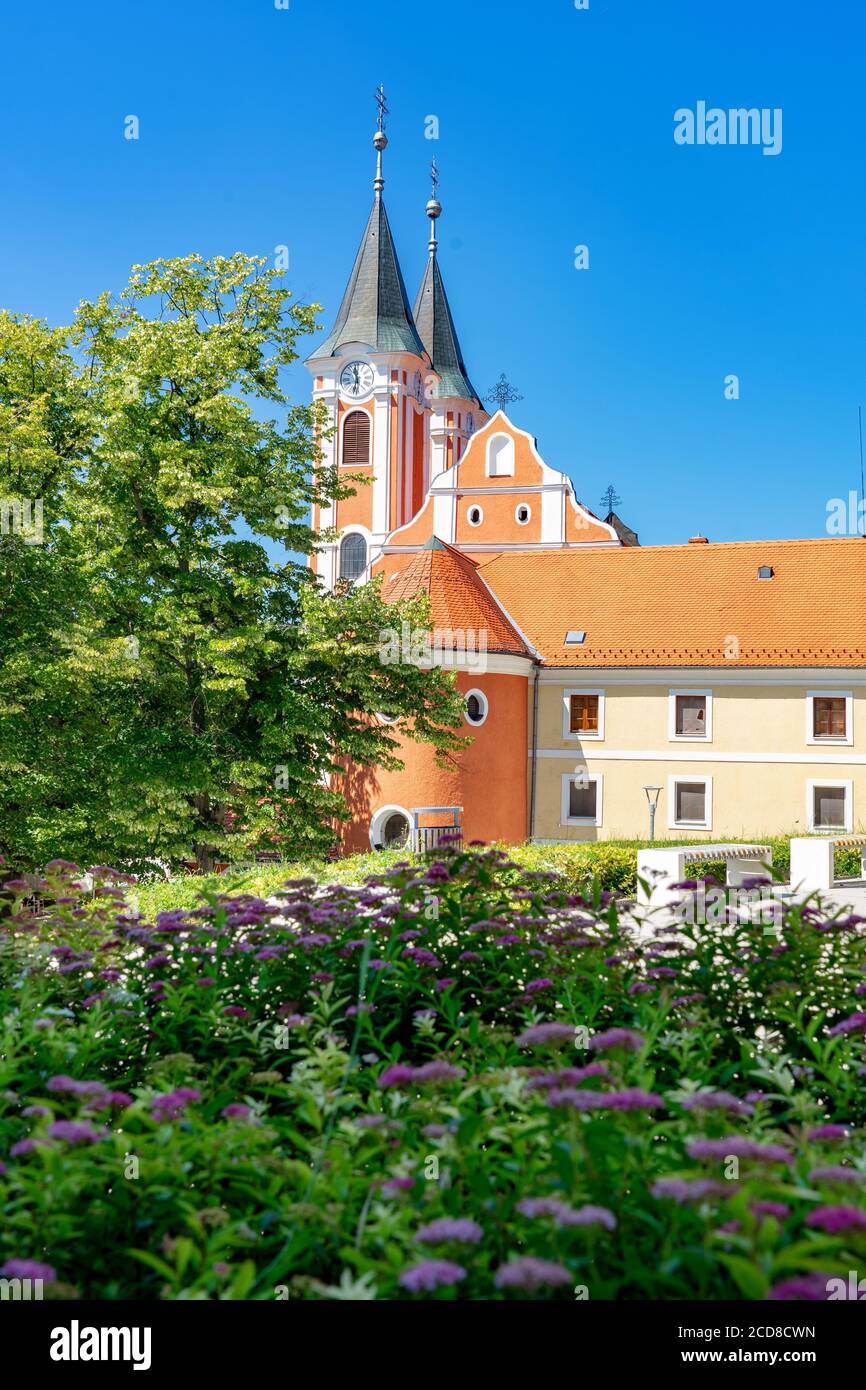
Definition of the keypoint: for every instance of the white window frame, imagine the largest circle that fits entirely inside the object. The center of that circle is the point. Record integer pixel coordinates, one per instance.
(378, 819)
(517, 510)
(673, 736)
(673, 781)
(352, 408)
(568, 779)
(508, 454)
(848, 696)
(354, 530)
(848, 784)
(479, 694)
(566, 714)
(474, 507)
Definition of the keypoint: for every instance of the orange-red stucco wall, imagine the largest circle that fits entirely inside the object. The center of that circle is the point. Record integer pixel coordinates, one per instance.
(488, 779)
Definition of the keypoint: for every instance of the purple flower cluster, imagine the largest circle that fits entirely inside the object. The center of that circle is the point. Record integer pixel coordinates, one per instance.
(738, 1146)
(632, 1098)
(690, 1189)
(565, 1215)
(528, 1274)
(444, 1229)
(541, 1033)
(431, 1274)
(834, 1219)
(173, 1104)
(403, 1074)
(717, 1100)
(828, 1132)
(625, 1038)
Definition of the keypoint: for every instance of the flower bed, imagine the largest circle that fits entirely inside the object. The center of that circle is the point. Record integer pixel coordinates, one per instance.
(458, 1081)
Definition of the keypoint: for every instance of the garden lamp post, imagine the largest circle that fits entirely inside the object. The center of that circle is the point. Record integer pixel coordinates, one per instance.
(652, 796)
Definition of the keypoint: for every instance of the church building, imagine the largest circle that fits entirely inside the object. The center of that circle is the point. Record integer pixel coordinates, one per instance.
(726, 682)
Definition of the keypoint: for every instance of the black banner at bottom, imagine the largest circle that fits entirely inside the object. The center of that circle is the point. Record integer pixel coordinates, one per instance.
(82, 1340)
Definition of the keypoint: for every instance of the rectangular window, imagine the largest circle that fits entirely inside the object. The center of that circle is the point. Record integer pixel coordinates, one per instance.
(582, 794)
(690, 803)
(691, 716)
(584, 714)
(828, 808)
(828, 716)
(582, 801)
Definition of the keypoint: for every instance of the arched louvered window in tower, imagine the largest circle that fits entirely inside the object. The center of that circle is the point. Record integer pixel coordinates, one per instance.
(356, 438)
(353, 556)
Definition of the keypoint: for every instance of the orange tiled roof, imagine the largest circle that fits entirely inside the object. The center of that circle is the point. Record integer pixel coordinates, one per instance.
(686, 605)
(459, 598)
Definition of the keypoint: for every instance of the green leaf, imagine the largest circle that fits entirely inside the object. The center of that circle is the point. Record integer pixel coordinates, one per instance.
(749, 1279)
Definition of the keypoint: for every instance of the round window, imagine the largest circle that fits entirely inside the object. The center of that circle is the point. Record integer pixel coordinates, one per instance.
(475, 516)
(395, 831)
(523, 514)
(475, 711)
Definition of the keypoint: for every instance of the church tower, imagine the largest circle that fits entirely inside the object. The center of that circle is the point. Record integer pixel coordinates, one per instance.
(370, 373)
(456, 409)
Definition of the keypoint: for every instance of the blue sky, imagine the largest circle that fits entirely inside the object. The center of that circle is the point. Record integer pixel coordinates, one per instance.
(555, 130)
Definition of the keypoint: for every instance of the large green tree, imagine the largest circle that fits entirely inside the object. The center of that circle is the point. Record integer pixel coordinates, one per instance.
(166, 687)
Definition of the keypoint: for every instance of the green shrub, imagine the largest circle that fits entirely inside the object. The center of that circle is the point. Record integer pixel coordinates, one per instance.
(331, 1097)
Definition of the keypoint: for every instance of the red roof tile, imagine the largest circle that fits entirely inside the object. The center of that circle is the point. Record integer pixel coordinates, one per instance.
(689, 605)
(459, 597)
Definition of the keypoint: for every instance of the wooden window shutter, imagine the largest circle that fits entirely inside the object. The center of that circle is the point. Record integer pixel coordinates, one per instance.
(356, 438)
(584, 714)
(829, 717)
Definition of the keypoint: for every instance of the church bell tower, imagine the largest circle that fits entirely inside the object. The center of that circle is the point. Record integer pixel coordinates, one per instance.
(372, 373)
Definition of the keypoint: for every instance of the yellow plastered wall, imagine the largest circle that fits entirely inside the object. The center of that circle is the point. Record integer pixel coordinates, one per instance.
(764, 791)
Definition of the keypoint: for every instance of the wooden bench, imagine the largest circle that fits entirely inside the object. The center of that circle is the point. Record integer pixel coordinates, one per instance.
(812, 861)
(661, 868)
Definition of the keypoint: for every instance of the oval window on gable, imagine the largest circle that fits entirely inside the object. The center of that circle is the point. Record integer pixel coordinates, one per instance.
(353, 556)
(475, 711)
(356, 438)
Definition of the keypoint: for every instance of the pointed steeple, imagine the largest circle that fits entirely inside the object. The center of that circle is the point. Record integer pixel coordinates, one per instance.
(434, 321)
(375, 307)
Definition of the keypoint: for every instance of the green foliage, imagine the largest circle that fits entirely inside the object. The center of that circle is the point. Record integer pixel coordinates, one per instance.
(248, 1101)
(612, 864)
(166, 689)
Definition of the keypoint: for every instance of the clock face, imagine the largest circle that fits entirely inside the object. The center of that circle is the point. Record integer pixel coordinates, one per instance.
(356, 379)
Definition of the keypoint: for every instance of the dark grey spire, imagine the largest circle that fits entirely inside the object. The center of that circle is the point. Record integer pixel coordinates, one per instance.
(375, 308)
(434, 322)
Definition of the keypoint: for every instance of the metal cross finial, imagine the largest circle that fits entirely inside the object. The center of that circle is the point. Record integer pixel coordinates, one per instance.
(610, 497)
(383, 109)
(503, 392)
(434, 174)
